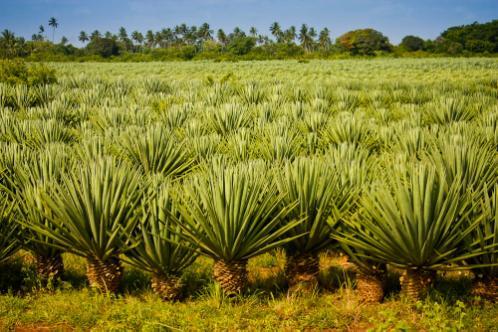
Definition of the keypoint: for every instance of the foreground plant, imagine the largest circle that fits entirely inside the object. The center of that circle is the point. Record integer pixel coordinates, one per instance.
(92, 215)
(485, 237)
(420, 223)
(233, 213)
(31, 179)
(9, 230)
(320, 194)
(159, 249)
(371, 276)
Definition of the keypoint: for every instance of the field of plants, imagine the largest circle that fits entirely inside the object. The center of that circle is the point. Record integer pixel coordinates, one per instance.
(341, 195)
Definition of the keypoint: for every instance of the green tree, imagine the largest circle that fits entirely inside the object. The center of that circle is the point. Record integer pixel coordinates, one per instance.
(149, 36)
(364, 42)
(306, 37)
(240, 45)
(222, 37)
(83, 37)
(412, 43)
(104, 47)
(474, 37)
(290, 35)
(276, 31)
(52, 22)
(137, 37)
(95, 35)
(324, 39)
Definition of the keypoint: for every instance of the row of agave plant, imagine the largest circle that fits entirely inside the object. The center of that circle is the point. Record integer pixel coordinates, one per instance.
(421, 213)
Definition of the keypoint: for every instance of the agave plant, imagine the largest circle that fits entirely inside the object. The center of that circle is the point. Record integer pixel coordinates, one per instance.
(155, 152)
(447, 110)
(229, 118)
(357, 168)
(485, 238)
(92, 215)
(233, 213)
(418, 223)
(31, 179)
(9, 230)
(159, 249)
(321, 194)
(469, 158)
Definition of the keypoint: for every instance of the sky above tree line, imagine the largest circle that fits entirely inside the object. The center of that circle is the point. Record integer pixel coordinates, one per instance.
(395, 18)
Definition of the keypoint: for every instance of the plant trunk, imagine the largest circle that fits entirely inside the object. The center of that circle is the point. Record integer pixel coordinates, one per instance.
(104, 275)
(167, 287)
(49, 267)
(370, 287)
(302, 271)
(486, 288)
(415, 283)
(232, 276)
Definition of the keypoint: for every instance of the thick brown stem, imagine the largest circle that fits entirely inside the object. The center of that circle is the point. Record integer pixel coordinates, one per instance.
(370, 287)
(414, 283)
(104, 275)
(302, 271)
(49, 267)
(486, 288)
(167, 287)
(232, 276)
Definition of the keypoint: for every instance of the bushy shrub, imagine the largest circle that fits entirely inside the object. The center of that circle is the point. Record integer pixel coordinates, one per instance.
(18, 72)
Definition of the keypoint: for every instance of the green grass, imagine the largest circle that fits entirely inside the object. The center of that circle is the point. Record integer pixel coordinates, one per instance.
(266, 306)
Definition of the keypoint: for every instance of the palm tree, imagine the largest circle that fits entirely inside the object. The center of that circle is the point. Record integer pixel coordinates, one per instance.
(122, 34)
(138, 37)
(83, 37)
(306, 36)
(109, 35)
(52, 22)
(41, 31)
(290, 35)
(9, 43)
(149, 36)
(418, 222)
(205, 32)
(321, 195)
(92, 215)
(160, 250)
(8, 37)
(95, 35)
(222, 37)
(324, 39)
(253, 32)
(276, 31)
(233, 213)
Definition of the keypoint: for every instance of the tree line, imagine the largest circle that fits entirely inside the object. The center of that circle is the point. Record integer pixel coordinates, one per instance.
(203, 42)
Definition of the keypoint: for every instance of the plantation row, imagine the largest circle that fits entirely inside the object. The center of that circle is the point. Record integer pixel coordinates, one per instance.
(393, 164)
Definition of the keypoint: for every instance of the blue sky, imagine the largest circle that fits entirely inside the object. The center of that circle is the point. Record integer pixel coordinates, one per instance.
(425, 18)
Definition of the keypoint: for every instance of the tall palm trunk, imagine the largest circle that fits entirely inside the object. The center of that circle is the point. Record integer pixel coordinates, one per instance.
(104, 275)
(232, 276)
(167, 287)
(302, 271)
(49, 267)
